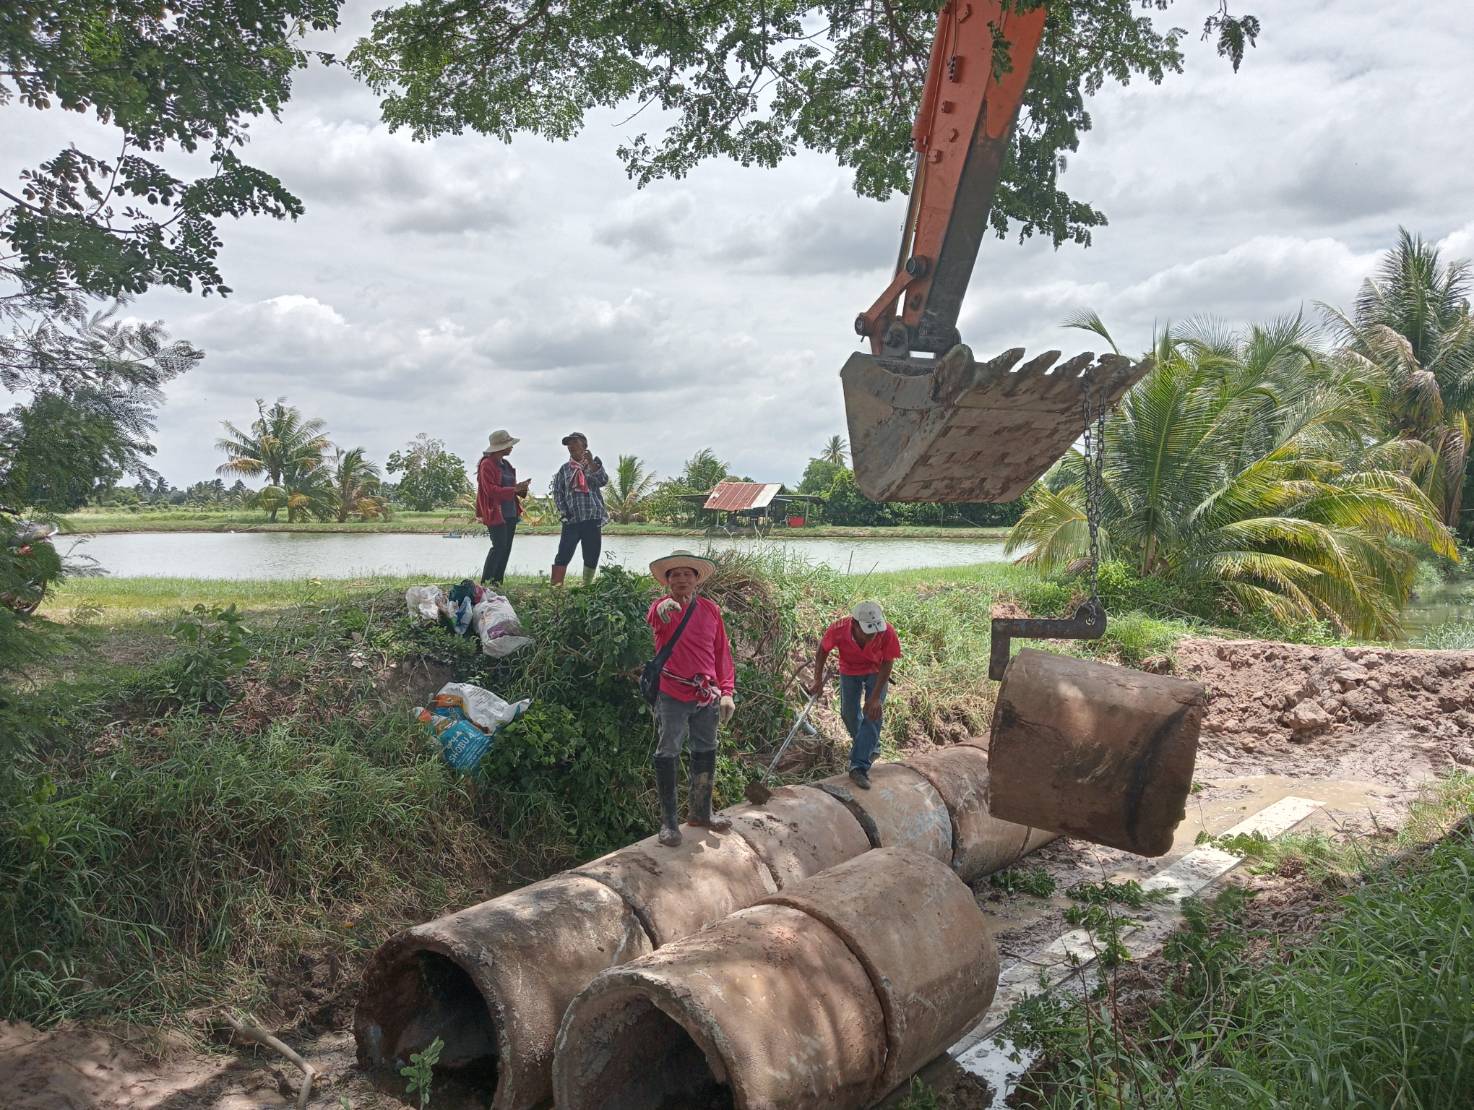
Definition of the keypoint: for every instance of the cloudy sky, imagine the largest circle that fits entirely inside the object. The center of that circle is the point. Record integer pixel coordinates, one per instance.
(464, 285)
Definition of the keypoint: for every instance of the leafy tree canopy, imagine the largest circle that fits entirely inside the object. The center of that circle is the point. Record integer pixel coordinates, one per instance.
(171, 76)
(755, 80)
(432, 476)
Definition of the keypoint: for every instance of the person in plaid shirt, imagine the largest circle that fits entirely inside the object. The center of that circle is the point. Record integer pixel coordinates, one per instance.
(577, 496)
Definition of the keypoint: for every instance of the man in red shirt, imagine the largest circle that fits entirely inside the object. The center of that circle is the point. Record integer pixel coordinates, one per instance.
(868, 647)
(696, 687)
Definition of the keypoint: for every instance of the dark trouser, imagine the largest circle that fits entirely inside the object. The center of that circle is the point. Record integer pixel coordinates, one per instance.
(501, 550)
(575, 532)
(854, 689)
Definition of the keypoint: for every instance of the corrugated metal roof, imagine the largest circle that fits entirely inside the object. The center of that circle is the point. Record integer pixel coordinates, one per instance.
(733, 497)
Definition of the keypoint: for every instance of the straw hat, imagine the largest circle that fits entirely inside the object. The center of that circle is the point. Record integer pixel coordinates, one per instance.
(704, 568)
(499, 440)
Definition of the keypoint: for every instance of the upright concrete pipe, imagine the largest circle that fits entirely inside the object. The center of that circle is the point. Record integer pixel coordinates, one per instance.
(528, 953)
(829, 994)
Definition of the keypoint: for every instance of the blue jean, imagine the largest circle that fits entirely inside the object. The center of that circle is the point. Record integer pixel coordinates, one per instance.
(854, 689)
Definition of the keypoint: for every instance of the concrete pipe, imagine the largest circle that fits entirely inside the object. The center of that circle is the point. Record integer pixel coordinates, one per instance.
(923, 941)
(1089, 750)
(799, 833)
(675, 891)
(981, 843)
(826, 994)
(900, 810)
(493, 981)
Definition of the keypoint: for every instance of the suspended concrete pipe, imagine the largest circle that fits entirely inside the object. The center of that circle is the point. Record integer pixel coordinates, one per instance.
(1089, 750)
(494, 980)
(829, 993)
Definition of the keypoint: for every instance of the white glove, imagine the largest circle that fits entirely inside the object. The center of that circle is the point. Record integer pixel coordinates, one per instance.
(667, 608)
(728, 707)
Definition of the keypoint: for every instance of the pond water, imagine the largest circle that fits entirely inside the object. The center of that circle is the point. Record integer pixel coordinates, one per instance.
(339, 555)
(1448, 604)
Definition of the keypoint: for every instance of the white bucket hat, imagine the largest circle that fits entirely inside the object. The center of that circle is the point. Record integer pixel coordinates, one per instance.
(704, 568)
(499, 440)
(869, 617)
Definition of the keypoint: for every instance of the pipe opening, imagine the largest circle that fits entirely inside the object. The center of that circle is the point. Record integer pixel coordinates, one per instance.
(634, 1057)
(427, 995)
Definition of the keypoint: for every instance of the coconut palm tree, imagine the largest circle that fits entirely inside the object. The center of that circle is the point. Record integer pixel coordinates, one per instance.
(356, 486)
(1248, 466)
(836, 451)
(287, 450)
(1412, 327)
(632, 485)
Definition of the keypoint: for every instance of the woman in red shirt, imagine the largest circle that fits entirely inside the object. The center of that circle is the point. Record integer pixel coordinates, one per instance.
(497, 490)
(868, 647)
(696, 688)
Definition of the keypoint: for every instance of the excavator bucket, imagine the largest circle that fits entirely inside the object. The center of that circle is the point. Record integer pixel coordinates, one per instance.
(955, 429)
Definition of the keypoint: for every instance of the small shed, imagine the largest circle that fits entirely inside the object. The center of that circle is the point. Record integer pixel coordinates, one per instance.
(755, 502)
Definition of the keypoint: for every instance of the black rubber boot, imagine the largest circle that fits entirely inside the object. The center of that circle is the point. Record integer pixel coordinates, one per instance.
(665, 783)
(698, 799)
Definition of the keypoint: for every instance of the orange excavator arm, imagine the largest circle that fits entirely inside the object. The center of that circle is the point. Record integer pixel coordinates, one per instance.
(961, 137)
(927, 421)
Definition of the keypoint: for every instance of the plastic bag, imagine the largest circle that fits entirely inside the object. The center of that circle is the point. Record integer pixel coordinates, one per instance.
(481, 707)
(464, 611)
(462, 744)
(428, 603)
(496, 623)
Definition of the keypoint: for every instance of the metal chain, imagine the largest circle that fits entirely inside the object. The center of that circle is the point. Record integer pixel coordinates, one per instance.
(1094, 416)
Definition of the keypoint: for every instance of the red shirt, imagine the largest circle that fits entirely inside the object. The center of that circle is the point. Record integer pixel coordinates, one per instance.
(490, 493)
(702, 649)
(854, 659)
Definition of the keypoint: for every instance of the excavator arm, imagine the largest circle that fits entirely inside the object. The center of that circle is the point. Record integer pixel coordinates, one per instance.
(928, 422)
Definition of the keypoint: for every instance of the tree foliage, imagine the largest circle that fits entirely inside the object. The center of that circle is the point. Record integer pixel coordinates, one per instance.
(183, 79)
(629, 490)
(432, 476)
(1412, 329)
(757, 81)
(1248, 467)
(356, 486)
(289, 452)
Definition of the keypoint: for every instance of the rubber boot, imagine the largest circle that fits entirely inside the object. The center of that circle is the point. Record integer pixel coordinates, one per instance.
(557, 575)
(665, 783)
(698, 800)
(588, 574)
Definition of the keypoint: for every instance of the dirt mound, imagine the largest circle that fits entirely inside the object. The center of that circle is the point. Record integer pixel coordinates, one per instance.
(1374, 713)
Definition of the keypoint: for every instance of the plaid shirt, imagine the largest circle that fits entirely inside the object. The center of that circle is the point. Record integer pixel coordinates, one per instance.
(572, 503)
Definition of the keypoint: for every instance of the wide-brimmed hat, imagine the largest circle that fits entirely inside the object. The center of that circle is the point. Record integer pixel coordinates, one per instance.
(499, 440)
(704, 568)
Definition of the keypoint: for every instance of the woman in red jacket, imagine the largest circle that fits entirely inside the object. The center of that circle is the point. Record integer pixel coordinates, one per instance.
(497, 490)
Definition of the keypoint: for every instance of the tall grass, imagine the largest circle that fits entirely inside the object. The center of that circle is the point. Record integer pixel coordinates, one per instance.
(1373, 1010)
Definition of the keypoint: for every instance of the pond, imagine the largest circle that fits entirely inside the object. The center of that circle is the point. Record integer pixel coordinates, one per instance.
(338, 555)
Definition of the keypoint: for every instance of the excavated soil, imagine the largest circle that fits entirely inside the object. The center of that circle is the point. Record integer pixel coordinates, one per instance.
(1361, 729)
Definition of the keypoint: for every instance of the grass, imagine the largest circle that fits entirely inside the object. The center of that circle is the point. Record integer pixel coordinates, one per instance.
(185, 519)
(1371, 1009)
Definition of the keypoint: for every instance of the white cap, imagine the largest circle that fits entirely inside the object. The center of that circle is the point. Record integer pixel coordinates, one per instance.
(868, 616)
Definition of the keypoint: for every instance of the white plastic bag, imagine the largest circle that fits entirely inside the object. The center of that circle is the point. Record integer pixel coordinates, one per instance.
(496, 623)
(428, 603)
(482, 708)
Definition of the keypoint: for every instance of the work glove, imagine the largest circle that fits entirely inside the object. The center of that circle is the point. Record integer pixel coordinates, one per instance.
(667, 608)
(727, 708)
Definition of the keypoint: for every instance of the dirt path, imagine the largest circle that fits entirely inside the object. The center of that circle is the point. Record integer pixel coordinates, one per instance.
(1359, 729)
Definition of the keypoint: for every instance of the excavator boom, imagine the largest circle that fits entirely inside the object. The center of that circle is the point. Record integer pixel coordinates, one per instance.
(927, 422)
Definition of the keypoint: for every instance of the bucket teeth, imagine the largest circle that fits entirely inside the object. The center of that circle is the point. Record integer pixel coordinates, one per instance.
(956, 429)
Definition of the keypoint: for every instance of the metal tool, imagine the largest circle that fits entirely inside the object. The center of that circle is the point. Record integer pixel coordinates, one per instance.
(758, 792)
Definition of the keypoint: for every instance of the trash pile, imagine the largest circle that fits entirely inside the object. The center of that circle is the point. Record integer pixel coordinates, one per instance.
(465, 719)
(470, 608)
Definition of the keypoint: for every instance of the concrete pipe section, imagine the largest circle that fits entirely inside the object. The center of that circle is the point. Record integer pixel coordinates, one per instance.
(981, 843)
(900, 810)
(1100, 752)
(493, 981)
(829, 993)
(799, 832)
(675, 891)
